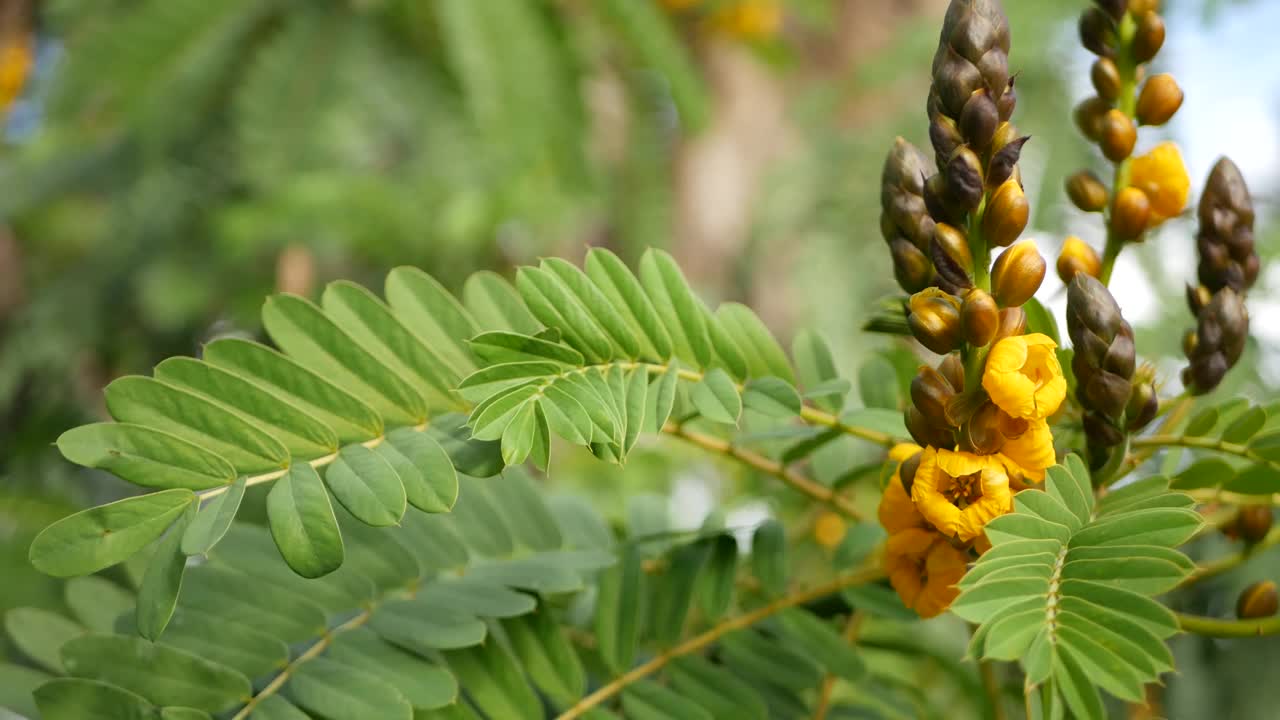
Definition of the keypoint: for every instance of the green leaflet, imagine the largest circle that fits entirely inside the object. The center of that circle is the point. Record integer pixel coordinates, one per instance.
(80, 699)
(618, 610)
(771, 396)
(97, 602)
(324, 686)
(275, 707)
(769, 557)
(227, 642)
(547, 656)
(145, 456)
(769, 663)
(367, 486)
(717, 583)
(213, 520)
(435, 488)
(40, 635)
(303, 524)
(367, 319)
(100, 537)
(349, 417)
(555, 305)
(526, 512)
(647, 700)
(161, 584)
(680, 310)
(816, 370)
(824, 644)
(274, 611)
(163, 675)
(718, 691)
(476, 597)
(1096, 569)
(424, 306)
(1245, 426)
(424, 684)
(675, 591)
(626, 295)
(496, 305)
(594, 301)
(494, 682)
(303, 331)
(497, 348)
(150, 402)
(403, 622)
(662, 398)
(303, 436)
(728, 354)
(716, 397)
(17, 685)
(760, 350)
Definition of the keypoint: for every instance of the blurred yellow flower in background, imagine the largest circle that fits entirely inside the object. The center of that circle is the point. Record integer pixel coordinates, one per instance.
(924, 569)
(1023, 376)
(829, 529)
(959, 492)
(1162, 176)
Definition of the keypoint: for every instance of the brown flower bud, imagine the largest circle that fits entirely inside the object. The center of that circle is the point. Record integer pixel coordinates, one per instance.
(1017, 274)
(1142, 406)
(930, 393)
(1149, 37)
(1077, 256)
(1228, 255)
(907, 471)
(952, 368)
(981, 434)
(1098, 32)
(1005, 161)
(964, 177)
(1007, 102)
(1106, 78)
(1197, 297)
(934, 319)
(979, 317)
(1006, 133)
(1159, 100)
(979, 119)
(1138, 7)
(1114, 8)
(1118, 135)
(1259, 600)
(1220, 337)
(951, 256)
(1086, 191)
(1190, 341)
(1088, 116)
(1006, 214)
(1013, 321)
(911, 268)
(1253, 522)
(939, 201)
(945, 137)
(1130, 214)
(925, 432)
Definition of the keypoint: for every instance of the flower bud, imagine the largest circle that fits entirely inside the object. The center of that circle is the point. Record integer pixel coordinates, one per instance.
(1257, 601)
(1142, 406)
(925, 432)
(911, 267)
(930, 393)
(1017, 274)
(1139, 7)
(1159, 100)
(979, 317)
(1088, 116)
(978, 120)
(1190, 341)
(1115, 8)
(1098, 32)
(1130, 214)
(1006, 133)
(907, 471)
(939, 201)
(981, 434)
(1197, 297)
(1013, 321)
(1149, 37)
(1118, 135)
(1006, 214)
(951, 256)
(1106, 78)
(1005, 161)
(1253, 523)
(1086, 191)
(1077, 256)
(934, 319)
(964, 177)
(952, 368)
(945, 137)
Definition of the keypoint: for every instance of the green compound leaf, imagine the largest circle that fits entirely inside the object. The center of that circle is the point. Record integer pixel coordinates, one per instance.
(1066, 588)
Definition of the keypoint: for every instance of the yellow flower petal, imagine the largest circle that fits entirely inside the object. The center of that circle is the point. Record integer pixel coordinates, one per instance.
(1162, 176)
(1031, 453)
(1023, 377)
(924, 568)
(959, 492)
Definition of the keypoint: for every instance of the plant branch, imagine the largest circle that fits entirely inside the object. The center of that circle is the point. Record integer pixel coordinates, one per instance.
(1203, 443)
(1234, 560)
(1219, 628)
(698, 642)
(814, 490)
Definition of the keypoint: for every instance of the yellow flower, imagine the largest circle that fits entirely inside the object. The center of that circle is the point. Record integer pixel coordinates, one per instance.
(1030, 453)
(1161, 175)
(15, 66)
(897, 512)
(829, 529)
(959, 492)
(1023, 377)
(924, 569)
(750, 19)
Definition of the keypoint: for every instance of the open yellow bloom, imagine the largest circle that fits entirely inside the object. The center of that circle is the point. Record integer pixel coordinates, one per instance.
(924, 569)
(1031, 453)
(897, 512)
(829, 529)
(1162, 176)
(959, 492)
(1023, 376)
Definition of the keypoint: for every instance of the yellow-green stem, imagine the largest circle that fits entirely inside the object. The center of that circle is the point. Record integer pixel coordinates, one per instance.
(1126, 102)
(1219, 628)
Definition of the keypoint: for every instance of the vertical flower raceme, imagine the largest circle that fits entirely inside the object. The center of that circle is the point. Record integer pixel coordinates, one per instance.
(1104, 361)
(904, 220)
